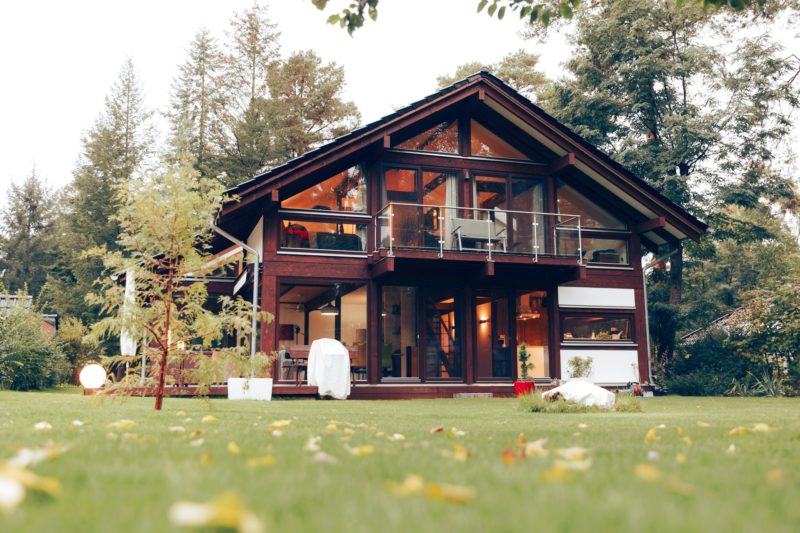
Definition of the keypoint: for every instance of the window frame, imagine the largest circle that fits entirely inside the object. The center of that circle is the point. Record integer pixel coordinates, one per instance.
(332, 212)
(613, 314)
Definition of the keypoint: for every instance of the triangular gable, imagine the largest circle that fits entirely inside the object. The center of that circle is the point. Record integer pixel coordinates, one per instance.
(490, 91)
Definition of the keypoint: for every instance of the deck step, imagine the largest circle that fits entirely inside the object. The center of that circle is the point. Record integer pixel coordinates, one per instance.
(472, 395)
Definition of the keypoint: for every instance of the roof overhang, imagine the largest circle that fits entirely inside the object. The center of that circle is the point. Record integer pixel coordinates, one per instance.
(257, 194)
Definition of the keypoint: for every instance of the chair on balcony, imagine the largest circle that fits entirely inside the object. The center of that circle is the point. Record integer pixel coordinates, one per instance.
(469, 229)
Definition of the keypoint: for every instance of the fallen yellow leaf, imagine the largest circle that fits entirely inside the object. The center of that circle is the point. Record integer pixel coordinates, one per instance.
(579, 466)
(209, 418)
(312, 444)
(687, 440)
(647, 472)
(413, 484)
(224, 512)
(536, 448)
(702, 424)
(650, 436)
(31, 481)
(361, 451)
(450, 493)
(205, 458)
(740, 430)
(437, 429)
(556, 474)
(180, 413)
(234, 448)
(460, 453)
(280, 424)
(122, 424)
(259, 462)
(576, 453)
(731, 449)
(763, 428)
(681, 458)
(348, 431)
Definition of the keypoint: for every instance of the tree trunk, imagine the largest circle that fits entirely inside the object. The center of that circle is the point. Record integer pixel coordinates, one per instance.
(162, 371)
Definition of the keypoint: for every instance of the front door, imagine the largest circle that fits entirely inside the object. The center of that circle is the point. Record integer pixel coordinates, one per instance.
(419, 331)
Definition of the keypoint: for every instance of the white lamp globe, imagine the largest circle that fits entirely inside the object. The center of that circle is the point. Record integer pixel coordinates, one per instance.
(92, 376)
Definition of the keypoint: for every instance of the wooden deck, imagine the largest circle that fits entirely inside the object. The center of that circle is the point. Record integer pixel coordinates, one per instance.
(361, 391)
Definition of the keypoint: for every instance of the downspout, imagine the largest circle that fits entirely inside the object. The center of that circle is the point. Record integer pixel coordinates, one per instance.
(647, 267)
(259, 259)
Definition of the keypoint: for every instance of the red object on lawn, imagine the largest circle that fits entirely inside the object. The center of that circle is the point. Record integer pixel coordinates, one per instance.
(523, 387)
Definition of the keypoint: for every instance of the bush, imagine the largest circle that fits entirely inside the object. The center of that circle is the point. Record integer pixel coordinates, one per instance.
(708, 367)
(534, 403)
(77, 348)
(29, 357)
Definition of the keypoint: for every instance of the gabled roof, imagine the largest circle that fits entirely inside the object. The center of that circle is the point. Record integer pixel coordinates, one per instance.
(501, 98)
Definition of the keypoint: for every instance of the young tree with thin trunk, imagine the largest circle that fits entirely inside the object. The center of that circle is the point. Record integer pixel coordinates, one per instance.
(165, 229)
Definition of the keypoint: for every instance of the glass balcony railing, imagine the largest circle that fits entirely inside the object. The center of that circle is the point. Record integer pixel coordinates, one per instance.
(404, 226)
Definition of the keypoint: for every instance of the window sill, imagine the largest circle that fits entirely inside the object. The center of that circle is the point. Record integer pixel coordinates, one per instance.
(322, 253)
(600, 344)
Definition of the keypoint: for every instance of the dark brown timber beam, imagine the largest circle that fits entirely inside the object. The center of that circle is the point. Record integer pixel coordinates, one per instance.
(650, 225)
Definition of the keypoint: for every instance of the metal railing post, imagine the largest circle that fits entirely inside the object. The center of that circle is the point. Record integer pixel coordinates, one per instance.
(535, 240)
(391, 230)
(580, 243)
(489, 226)
(441, 231)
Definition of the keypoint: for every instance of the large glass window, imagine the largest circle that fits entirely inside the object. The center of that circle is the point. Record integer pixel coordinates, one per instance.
(441, 138)
(532, 333)
(346, 191)
(400, 185)
(596, 328)
(318, 235)
(442, 346)
(399, 332)
(484, 143)
(315, 311)
(571, 202)
(527, 197)
(493, 346)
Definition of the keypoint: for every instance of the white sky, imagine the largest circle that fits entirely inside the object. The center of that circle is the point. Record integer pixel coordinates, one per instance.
(58, 60)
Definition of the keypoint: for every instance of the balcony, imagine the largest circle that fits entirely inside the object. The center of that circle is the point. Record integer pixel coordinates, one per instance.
(409, 230)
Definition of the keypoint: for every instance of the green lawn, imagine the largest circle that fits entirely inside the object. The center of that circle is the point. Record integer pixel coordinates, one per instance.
(128, 482)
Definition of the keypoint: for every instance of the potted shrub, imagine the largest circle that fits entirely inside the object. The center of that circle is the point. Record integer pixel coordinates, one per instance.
(257, 383)
(524, 384)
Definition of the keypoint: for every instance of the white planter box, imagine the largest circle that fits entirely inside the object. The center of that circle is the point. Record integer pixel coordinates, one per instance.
(250, 389)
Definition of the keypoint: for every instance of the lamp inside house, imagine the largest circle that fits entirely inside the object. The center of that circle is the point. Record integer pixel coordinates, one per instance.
(329, 310)
(529, 308)
(92, 376)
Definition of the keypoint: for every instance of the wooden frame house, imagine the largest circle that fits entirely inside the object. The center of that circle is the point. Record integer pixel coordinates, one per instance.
(436, 241)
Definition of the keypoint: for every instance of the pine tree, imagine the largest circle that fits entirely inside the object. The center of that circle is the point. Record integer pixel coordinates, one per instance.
(197, 104)
(27, 235)
(307, 96)
(251, 54)
(114, 150)
(518, 69)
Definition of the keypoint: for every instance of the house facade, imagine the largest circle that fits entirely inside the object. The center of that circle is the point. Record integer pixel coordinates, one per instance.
(442, 240)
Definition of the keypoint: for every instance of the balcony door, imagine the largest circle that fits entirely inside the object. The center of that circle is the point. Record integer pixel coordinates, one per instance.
(422, 202)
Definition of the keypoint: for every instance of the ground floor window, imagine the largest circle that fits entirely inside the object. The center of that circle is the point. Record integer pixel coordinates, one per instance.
(533, 329)
(310, 311)
(596, 328)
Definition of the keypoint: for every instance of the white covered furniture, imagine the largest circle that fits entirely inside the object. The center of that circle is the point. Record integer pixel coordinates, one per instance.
(329, 368)
(583, 393)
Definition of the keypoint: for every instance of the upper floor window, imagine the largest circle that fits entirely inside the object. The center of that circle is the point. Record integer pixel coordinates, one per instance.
(571, 202)
(441, 138)
(484, 143)
(345, 191)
